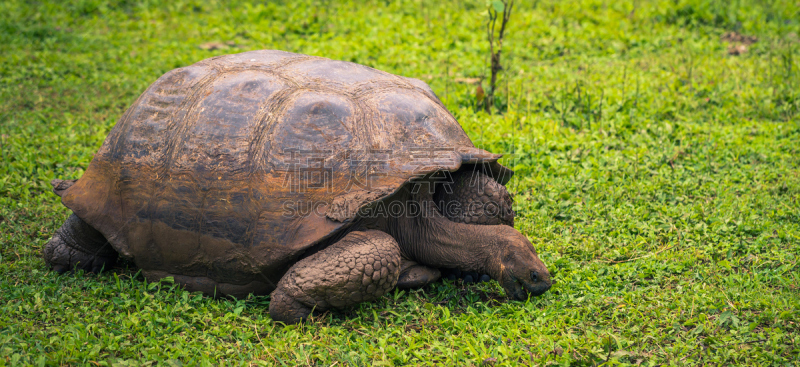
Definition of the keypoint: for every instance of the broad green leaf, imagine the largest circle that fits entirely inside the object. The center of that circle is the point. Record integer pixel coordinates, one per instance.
(498, 6)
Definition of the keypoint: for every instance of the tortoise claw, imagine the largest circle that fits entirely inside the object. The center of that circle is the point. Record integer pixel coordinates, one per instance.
(60, 269)
(466, 277)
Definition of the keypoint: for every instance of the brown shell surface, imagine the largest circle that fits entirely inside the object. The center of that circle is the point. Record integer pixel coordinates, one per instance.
(228, 170)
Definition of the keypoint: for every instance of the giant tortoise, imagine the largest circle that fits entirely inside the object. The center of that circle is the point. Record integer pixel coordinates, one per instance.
(323, 183)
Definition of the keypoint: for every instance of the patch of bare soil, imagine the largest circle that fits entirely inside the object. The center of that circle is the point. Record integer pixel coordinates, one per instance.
(737, 42)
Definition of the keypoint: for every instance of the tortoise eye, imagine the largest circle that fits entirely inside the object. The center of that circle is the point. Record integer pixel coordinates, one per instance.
(534, 276)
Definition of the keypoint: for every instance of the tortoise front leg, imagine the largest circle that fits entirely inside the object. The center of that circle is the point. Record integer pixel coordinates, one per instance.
(360, 267)
(76, 245)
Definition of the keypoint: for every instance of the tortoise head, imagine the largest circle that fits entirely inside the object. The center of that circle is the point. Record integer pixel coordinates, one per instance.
(472, 237)
(486, 206)
(516, 266)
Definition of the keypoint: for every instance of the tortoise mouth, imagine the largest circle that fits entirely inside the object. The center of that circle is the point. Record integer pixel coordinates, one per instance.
(519, 289)
(516, 290)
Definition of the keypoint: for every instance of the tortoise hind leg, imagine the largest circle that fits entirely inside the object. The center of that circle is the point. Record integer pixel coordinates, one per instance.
(76, 245)
(360, 267)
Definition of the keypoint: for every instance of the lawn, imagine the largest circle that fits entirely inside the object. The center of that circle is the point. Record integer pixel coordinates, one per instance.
(658, 175)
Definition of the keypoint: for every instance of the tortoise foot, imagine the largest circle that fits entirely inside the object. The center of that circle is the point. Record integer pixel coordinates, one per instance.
(286, 309)
(76, 246)
(466, 277)
(415, 275)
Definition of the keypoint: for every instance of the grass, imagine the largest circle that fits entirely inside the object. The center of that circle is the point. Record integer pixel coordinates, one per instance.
(656, 174)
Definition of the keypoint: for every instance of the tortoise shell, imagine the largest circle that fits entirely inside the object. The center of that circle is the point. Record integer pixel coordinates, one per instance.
(229, 170)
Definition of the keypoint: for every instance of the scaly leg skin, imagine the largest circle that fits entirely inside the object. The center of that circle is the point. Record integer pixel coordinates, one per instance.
(76, 245)
(415, 275)
(360, 267)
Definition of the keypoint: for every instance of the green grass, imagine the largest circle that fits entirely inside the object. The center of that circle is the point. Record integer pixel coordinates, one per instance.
(657, 175)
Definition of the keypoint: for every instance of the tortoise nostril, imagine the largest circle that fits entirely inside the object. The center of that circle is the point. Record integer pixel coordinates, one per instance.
(534, 276)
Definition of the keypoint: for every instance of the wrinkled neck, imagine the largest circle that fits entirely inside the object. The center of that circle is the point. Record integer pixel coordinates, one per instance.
(433, 240)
